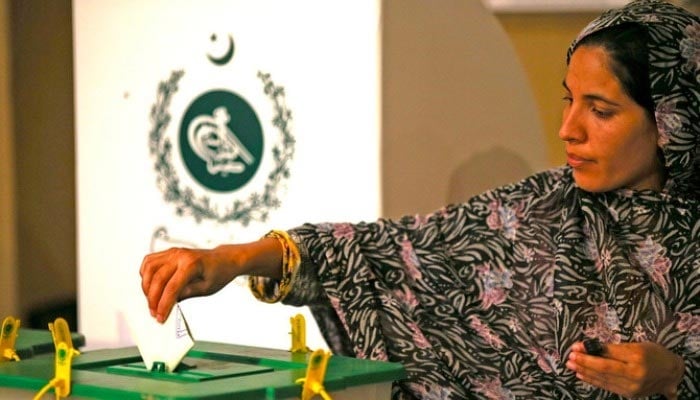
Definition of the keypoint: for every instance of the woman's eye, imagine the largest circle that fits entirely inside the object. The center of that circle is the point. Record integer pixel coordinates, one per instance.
(603, 114)
(567, 99)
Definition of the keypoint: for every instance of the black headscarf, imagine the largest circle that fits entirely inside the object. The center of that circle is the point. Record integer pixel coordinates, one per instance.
(674, 74)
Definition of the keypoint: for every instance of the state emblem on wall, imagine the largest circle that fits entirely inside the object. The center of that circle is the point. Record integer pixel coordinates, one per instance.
(215, 157)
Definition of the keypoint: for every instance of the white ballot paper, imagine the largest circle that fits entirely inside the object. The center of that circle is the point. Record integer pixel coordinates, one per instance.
(166, 343)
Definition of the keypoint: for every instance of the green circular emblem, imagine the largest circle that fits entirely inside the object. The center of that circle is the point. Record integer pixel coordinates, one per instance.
(62, 353)
(221, 106)
(221, 140)
(8, 329)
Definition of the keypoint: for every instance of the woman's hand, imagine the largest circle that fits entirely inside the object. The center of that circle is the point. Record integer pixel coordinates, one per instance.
(180, 273)
(629, 369)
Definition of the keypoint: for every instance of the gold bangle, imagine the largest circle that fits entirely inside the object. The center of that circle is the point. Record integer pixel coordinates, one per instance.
(290, 261)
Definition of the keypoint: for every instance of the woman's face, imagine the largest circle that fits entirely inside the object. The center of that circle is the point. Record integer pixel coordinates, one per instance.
(610, 140)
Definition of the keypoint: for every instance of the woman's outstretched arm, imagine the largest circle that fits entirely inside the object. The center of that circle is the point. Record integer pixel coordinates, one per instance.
(180, 273)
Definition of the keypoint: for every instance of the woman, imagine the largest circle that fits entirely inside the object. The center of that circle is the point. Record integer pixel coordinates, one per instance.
(495, 298)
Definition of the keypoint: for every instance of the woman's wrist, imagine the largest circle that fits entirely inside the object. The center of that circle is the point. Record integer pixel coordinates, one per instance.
(265, 258)
(286, 259)
(260, 258)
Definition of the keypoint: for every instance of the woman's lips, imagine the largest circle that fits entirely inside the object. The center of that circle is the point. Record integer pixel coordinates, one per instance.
(575, 161)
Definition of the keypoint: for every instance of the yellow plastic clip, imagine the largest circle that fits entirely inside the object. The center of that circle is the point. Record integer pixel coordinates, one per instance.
(61, 333)
(8, 337)
(315, 374)
(298, 334)
(64, 358)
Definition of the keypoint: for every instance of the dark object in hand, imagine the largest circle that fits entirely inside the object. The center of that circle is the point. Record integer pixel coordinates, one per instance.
(593, 347)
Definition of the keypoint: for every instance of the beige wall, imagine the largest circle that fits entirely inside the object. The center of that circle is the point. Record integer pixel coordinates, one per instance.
(44, 179)
(8, 270)
(458, 117)
(541, 41)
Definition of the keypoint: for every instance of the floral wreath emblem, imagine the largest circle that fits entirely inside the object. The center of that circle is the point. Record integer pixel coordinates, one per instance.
(258, 205)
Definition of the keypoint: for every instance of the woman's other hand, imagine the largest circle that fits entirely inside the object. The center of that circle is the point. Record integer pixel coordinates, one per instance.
(629, 369)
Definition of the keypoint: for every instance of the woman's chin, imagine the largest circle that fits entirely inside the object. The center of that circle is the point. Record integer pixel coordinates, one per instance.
(592, 185)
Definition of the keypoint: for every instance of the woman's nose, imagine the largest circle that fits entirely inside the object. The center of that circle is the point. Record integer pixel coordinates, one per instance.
(571, 129)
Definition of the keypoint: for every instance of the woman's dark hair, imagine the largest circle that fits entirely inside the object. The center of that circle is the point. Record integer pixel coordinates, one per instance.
(626, 44)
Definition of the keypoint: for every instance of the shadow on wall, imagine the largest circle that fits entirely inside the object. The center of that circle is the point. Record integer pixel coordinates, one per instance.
(486, 170)
(40, 316)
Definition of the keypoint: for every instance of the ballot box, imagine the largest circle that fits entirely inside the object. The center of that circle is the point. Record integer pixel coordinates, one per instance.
(208, 371)
(35, 342)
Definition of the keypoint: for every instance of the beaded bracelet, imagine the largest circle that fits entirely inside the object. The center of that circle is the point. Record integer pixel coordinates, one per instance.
(290, 261)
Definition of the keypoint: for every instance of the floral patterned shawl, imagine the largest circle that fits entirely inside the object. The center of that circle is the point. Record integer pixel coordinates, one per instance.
(484, 299)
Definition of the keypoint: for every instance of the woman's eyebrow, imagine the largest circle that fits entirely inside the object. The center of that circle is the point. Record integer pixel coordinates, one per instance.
(593, 96)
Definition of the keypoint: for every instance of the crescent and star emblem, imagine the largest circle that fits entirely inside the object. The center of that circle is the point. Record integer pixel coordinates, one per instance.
(226, 57)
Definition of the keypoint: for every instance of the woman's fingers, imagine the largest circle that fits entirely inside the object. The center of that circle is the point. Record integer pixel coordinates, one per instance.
(179, 273)
(156, 302)
(628, 369)
(173, 288)
(609, 374)
(149, 264)
(164, 277)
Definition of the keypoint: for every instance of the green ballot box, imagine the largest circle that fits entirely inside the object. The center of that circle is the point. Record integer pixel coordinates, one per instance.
(208, 371)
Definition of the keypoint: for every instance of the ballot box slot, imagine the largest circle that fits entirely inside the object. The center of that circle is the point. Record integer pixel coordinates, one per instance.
(297, 361)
